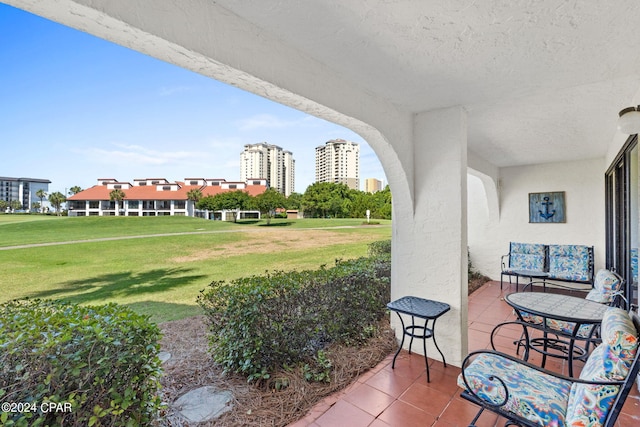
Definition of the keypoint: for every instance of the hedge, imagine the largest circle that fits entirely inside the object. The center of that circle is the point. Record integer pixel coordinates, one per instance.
(99, 364)
(262, 323)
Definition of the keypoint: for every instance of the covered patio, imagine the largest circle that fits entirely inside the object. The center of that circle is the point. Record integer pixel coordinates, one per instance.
(470, 107)
(402, 396)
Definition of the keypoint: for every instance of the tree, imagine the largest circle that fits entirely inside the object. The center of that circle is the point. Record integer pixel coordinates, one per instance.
(327, 199)
(57, 199)
(231, 200)
(268, 202)
(117, 196)
(383, 203)
(15, 205)
(41, 194)
(3, 205)
(194, 196)
(294, 201)
(35, 206)
(74, 190)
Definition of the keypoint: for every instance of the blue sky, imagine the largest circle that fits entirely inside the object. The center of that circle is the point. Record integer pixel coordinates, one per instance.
(75, 108)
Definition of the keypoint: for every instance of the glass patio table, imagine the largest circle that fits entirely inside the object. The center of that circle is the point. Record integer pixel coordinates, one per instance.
(566, 318)
(423, 309)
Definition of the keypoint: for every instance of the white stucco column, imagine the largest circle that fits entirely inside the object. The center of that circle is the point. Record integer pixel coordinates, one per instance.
(430, 237)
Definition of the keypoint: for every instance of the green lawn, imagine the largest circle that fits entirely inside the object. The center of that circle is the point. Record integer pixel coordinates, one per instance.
(161, 275)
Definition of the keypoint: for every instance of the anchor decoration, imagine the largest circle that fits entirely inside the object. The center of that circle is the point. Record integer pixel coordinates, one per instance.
(547, 207)
(547, 214)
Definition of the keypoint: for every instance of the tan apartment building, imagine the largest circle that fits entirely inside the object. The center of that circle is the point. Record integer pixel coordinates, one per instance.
(338, 161)
(270, 162)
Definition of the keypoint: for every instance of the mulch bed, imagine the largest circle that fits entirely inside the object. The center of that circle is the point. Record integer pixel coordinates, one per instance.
(191, 367)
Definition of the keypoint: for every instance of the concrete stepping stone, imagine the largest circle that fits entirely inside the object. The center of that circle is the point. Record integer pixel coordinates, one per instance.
(203, 404)
(164, 356)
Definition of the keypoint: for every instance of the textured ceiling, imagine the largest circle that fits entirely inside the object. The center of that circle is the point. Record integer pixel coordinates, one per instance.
(533, 75)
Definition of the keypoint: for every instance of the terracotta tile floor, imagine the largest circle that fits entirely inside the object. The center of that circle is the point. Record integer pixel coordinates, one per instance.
(402, 397)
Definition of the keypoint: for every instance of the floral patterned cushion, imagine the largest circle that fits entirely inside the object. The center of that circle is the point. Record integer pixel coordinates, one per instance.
(606, 284)
(569, 262)
(524, 385)
(589, 404)
(619, 337)
(526, 256)
(565, 327)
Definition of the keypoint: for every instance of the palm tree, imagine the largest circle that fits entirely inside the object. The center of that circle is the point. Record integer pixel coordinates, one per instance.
(15, 205)
(41, 194)
(194, 196)
(117, 196)
(57, 199)
(75, 190)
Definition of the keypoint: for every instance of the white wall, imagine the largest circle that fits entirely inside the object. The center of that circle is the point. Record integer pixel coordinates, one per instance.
(489, 233)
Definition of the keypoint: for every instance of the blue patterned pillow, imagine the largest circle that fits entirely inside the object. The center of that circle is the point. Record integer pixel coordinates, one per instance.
(569, 262)
(610, 361)
(589, 405)
(605, 285)
(619, 337)
(526, 256)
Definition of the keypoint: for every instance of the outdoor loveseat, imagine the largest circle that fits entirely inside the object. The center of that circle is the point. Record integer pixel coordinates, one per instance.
(528, 395)
(566, 263)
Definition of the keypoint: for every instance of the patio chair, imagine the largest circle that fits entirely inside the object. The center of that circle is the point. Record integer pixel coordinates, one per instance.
(531, 396)
(522, 257)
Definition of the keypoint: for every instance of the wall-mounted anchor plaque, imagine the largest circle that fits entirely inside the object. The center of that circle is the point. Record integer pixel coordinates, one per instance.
(547, 207)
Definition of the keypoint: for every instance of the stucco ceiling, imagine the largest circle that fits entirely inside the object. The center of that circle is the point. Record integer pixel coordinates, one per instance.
(542, 80)
(532, 74)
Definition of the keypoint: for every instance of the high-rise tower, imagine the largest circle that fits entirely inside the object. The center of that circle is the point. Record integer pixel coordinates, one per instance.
(338, 161)
(269, 162)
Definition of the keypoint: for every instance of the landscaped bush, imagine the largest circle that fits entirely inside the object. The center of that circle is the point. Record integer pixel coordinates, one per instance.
(99, 364)
(380, 249)
(261, 323)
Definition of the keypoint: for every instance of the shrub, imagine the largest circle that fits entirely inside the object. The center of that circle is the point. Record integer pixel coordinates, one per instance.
(381, 248)
(100, 363)
(281, 319)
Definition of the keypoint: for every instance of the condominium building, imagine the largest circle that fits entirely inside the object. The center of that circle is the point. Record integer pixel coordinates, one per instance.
(338, 161)
(372, 185)
(153, 196)
(23, 190)
(270, 162)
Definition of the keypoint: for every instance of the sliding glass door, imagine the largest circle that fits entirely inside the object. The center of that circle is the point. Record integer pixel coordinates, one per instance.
(623, 221)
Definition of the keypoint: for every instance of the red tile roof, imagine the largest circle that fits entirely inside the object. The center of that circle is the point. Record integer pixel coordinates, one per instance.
(150, 192)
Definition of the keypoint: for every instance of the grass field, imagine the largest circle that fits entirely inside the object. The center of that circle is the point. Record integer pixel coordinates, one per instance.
(158, 265)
